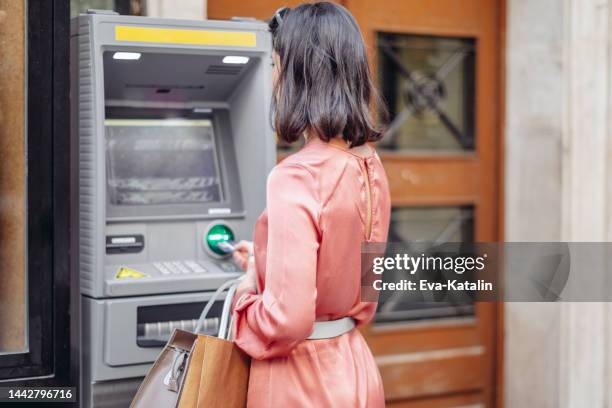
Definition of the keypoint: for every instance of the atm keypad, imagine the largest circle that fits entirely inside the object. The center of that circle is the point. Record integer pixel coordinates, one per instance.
(196, 267)
(162, 268)
(179, 267)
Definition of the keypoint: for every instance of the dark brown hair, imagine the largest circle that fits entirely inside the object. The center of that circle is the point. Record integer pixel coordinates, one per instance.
(324, 82)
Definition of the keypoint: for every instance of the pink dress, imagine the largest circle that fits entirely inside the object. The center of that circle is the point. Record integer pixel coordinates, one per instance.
(307, 259)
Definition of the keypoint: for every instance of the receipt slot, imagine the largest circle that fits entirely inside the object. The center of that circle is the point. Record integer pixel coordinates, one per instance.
(172, 146)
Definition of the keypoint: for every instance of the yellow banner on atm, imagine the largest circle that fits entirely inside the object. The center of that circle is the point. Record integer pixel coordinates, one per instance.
(183, 36)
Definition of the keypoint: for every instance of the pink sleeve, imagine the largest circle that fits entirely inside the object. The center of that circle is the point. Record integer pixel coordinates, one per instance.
(270, 324)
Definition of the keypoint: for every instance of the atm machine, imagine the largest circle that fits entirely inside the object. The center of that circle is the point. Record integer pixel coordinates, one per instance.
(172, 145)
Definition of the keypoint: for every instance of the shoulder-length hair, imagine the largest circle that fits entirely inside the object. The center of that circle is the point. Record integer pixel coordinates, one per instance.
(324, 84)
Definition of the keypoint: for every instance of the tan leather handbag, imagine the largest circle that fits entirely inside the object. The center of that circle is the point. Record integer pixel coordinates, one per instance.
(195, 370)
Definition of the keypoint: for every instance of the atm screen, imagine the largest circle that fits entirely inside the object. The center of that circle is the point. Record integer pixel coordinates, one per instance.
(161, 161)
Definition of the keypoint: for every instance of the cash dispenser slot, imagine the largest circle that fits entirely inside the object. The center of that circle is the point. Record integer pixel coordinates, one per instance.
(156, 323)
(128, 327)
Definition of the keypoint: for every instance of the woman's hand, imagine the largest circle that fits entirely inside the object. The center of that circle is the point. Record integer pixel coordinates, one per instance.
(243, 254)
(249, 281)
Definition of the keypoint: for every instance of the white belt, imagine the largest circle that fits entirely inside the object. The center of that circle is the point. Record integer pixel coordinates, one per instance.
(331, 328)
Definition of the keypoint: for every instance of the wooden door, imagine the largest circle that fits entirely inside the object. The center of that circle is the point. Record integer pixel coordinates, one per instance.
(438, 66)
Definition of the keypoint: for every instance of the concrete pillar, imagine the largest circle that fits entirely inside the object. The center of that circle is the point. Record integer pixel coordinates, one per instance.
(559, 187)
(533, 136)
(586, 185)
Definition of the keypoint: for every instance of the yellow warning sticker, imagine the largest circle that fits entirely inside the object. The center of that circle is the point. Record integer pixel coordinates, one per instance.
(125, 273)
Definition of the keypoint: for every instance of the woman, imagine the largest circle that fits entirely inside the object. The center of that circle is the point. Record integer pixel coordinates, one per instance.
(297, 307)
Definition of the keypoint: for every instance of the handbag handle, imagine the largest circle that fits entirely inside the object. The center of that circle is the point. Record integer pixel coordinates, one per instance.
(173, 378)
(225, 320)
(226, 313)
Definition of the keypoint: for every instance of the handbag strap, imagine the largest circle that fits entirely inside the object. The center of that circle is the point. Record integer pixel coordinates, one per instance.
(226, 313)
(227, 303)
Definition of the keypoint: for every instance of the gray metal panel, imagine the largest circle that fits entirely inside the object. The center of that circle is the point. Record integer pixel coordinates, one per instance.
(195, 77)
(248, 115)
(164, 284)
(87, 342)
(109, 325)
(252, 131)
(114, 394)
(88, 191)
(109, 335)
(105, 25)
